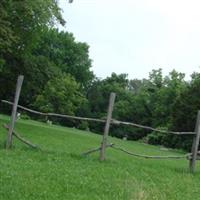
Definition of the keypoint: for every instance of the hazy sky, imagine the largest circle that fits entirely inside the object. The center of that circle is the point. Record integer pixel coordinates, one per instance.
(136, 36)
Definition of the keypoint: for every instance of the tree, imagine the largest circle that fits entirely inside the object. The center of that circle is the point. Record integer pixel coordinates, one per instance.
(186, 106)
(23, 21)
(55, 53)
(98, 94)
(61, 95)
(135, 85)
(21, 26)
(172, 86)
(68, 55)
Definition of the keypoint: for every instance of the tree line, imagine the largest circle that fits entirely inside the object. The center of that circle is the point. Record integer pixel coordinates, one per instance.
(58, 78)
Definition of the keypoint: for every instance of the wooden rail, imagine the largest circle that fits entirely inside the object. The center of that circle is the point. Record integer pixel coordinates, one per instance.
(113, 121)
(152, 129)
(54, 114)
(193, 156)
(150, 157)
(25, 141)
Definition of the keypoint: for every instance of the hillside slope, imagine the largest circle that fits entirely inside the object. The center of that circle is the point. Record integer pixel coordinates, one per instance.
(59, 172)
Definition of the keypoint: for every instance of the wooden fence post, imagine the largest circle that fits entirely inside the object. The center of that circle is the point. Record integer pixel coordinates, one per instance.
(107, 126)
(14, 111)
(195, 144)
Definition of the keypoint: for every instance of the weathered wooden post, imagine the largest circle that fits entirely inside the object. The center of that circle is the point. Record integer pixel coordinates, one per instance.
(195, 144)
(14, 111)
(107, 126)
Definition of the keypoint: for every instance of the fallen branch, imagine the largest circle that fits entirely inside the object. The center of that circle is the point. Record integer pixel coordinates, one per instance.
(21, 138)
(95, 150)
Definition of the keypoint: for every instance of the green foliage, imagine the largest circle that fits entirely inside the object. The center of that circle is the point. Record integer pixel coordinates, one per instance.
(156, 78)
(2, 64)
(84, 125)
(23, 21)
(56, 53)
(184, 111)
(68, 55)
(60, 95)
(157, 102)
(186, 106)
(98, 94)
(24, 116)
(22, 24)
(58, 78)
(157, 138)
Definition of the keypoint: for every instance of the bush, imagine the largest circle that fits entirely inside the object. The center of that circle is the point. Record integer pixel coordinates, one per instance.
(24, 116)
(157, 138)
(131, 133)
(170, 140)
(83, 126)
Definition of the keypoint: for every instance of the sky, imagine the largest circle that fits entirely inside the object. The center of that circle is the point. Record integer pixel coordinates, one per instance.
(136, 36)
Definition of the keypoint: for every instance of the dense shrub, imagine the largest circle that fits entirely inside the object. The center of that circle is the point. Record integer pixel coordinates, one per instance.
(170, 140)
(83, 125)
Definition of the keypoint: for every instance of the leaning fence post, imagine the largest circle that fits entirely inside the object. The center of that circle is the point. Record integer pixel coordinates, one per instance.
(107, 126)
(14, 111)
(195, 144)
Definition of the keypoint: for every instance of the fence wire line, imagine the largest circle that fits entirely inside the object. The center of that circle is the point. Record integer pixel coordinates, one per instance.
(113, 121)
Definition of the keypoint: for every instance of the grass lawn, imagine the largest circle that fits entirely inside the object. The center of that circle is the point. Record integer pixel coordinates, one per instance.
(59, 172)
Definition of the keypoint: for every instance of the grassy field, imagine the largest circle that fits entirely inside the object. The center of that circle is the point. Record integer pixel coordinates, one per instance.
(59, 172)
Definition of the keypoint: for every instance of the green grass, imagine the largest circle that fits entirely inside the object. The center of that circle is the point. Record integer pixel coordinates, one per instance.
(59, 172)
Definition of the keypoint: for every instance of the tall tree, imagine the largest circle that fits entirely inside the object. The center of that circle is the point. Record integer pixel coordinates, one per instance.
(61, 95)
(21, 25)
(68, 55)
(23, 21)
